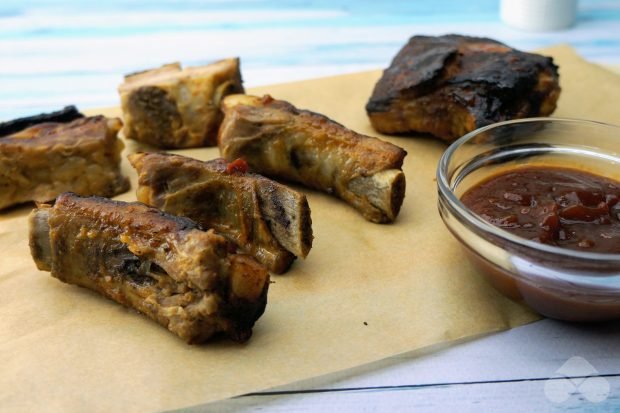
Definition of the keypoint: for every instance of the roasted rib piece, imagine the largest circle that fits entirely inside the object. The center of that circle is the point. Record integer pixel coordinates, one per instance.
(281, 141)
(161, 265)
(67, 114)
(170, 107)
(450, 85)
(265, 219)
(45, 160)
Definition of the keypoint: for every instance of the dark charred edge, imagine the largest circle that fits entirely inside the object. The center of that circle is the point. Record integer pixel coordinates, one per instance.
(65, 115)
(378, 105)
(383, 97)
(241, 315)
(428, 68)
(402, 154)
(269, 201)
(244, 315)
(398, 195)
(306, 228)
(280, 212)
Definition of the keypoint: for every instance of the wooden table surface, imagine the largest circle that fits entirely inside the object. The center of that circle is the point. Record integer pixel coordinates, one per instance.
(75, 52)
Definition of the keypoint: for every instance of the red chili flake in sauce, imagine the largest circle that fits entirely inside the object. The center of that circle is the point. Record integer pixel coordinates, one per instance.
(238, 166)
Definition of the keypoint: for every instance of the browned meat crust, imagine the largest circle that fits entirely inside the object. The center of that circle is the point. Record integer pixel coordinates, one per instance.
(67, 114)
(450, 85)
(264, 218)
(281, 141)
(48, 159)
(170, 107)
(163, 266)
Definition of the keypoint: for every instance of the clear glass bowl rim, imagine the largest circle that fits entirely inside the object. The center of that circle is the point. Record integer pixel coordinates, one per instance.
(479, 225)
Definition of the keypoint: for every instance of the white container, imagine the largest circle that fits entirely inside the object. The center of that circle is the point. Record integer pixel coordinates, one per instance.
(539, 15)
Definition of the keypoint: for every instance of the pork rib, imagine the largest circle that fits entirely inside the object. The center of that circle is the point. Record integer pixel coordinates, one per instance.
(281, 141)
(265, 219)
(163, 266)
(450, 85)
(45, 160)
(171, 107)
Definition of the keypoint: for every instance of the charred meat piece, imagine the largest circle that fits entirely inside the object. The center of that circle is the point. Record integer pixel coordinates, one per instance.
(170, 107)
(160, 265)
(281, 141)
(265, 219)
(450, 85)
(45, 160)
(68, 114)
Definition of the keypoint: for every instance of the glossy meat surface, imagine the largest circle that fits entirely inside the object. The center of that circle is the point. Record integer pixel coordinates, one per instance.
(450, 85)
(281, 141)
(265, 219)
(45, 160)
(163, 266)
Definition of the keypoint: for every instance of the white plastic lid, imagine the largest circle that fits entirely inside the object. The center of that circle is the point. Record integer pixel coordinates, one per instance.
(539, 15)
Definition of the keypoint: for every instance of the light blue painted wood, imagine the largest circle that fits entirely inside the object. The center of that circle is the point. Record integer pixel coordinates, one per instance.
(504, 372)
(55, 53)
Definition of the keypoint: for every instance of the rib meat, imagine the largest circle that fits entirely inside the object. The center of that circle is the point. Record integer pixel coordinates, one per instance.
(265, 219)
(161, 265)
(48, 159)
(170, 107)
(450, 85)
(281, 141)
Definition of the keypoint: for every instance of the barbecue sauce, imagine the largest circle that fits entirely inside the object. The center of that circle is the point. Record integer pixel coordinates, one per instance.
(563, 207)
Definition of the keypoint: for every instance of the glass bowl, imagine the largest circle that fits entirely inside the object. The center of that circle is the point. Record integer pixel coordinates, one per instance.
(556, 282)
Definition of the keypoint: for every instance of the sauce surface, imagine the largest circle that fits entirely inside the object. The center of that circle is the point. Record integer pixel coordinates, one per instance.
(557, 206)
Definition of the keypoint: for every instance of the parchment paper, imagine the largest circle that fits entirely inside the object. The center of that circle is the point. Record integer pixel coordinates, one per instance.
(365, 292)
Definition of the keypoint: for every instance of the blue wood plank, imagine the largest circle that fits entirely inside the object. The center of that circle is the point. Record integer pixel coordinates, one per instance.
(70, 51)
